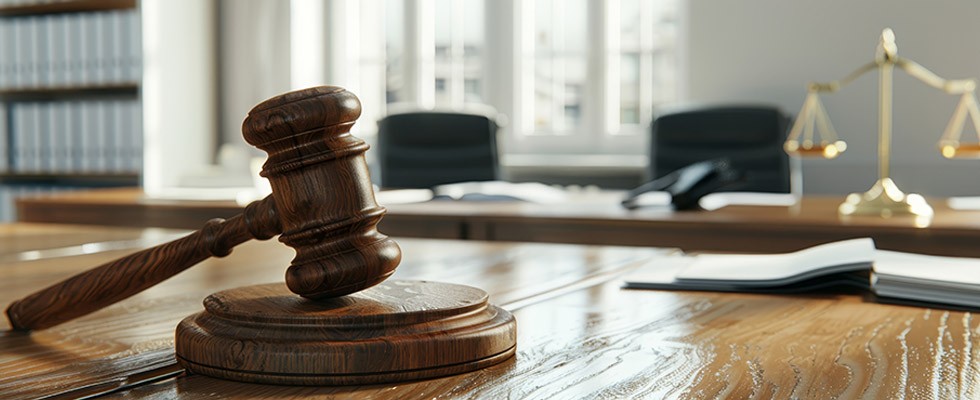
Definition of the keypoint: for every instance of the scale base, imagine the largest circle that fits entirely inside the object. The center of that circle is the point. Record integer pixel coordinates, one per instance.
(395, 331)
(885, 199)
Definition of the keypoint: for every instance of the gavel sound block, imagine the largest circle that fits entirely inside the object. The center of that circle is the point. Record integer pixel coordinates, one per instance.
(348, 327)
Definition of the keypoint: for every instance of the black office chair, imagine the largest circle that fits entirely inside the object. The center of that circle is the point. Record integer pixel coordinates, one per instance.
(426, 148)
(749, 137)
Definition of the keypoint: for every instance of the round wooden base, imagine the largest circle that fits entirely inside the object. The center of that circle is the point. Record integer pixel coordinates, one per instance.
(395, 331)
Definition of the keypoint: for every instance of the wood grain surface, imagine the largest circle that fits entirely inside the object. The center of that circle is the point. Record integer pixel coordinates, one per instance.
(580, 335)
(26, 237)
(605, 342)
(131, 343)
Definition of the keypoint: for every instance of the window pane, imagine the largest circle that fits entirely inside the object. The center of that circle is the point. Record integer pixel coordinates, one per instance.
(443, 55)
(575, 70)
(394, 51)
(648, 69)
(459, 41)
(629, 90)
(544, 95)
(443, 29)
(560, 26)
(629, 20)
(664, 52)
(474, 43)
(560, 61)
(368, 81)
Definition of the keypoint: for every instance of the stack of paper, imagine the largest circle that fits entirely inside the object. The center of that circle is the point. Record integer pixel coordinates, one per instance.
(851, 263)
(834, 264)
(949, 280)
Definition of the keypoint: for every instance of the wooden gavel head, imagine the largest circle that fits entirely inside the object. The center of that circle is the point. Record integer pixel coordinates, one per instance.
(322, 191)
(323, 205)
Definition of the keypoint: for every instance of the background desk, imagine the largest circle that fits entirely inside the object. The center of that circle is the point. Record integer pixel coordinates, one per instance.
(579, 334)
(733, 228)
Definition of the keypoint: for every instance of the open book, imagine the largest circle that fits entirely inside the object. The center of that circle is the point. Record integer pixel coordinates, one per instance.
(851, 263)
(533, 192)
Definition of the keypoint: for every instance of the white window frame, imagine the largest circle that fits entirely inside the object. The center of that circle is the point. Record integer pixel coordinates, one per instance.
(507, 74)
(601, 131)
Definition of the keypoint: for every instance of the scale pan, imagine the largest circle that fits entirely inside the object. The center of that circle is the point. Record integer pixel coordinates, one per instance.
(809, 149)
(960, 150)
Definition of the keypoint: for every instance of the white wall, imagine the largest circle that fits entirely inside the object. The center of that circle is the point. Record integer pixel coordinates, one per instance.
(767, 50)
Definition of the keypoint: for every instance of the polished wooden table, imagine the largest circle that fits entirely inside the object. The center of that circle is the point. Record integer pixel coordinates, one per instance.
(588, 219)
(579, 334)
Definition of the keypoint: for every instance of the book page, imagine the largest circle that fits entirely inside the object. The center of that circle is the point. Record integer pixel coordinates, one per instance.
(402, 196)
(962, 270)
(658, 272)
(527, 191)
(714, 201)
(847, 255)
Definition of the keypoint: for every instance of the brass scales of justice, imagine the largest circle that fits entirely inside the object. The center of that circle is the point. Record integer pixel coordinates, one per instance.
(884, 198)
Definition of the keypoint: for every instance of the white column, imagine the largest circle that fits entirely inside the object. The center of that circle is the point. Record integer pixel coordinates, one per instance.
(419, 53)
(308, 47)
(178, 90)
(254, 60)
(502, 67)
(605, 65)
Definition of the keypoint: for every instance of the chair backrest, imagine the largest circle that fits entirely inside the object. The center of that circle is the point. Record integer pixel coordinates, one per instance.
(425, 149)
(751, 137)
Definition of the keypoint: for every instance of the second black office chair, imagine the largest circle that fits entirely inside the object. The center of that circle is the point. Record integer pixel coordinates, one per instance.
(428, 148)
(750, 137)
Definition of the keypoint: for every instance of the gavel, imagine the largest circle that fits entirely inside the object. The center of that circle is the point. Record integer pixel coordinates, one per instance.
(322, 205)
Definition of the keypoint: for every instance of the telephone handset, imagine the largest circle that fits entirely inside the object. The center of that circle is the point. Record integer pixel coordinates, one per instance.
(687, 185)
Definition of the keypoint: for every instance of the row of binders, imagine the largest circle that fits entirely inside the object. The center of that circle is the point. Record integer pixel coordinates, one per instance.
(10, 192)
(71, 49)
(92, 136)
(15, 3)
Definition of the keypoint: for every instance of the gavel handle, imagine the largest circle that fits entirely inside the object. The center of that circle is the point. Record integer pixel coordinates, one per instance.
(109, 283)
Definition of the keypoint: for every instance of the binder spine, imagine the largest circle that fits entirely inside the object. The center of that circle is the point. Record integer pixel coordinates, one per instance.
(4, 136)
(59, 135)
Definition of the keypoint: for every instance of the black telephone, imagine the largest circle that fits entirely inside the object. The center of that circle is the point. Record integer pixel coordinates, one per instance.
(687, 185)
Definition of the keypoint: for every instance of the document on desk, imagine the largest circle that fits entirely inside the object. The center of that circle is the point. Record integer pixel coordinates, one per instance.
(833, 264)
(532, 192)
(964, 203)
(714, 201)
(853, 264)
(402, 196)
(951, 280)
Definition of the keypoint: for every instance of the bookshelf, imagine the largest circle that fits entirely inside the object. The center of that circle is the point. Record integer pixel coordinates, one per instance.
(51, 93)
(34, 7)
(70, 107)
